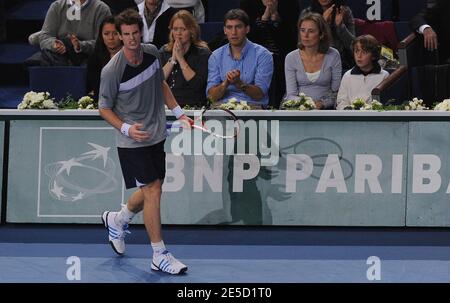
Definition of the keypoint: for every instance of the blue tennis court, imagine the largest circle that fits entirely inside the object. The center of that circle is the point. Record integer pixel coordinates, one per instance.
(33, 253)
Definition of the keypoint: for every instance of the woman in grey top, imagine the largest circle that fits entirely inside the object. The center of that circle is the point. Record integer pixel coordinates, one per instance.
(315, 68)
(342, 25)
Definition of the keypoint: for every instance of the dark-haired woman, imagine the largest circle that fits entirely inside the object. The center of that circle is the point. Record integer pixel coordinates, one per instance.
(106, 46)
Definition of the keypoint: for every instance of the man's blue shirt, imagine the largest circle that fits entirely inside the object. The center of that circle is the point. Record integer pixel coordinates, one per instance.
(255, 65)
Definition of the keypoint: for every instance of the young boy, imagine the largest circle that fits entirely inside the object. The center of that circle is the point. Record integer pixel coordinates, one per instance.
(365, 76)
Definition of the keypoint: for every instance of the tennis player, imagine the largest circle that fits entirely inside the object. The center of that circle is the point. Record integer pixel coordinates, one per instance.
(132, 96)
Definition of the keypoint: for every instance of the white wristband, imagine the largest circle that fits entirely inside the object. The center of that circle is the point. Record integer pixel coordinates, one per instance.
(124, 129)
(178, 112)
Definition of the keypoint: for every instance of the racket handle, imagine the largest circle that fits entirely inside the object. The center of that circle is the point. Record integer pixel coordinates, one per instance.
(171, 125)
(175, 124)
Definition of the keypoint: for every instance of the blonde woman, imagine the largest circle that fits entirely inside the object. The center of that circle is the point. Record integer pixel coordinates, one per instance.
(185, 60)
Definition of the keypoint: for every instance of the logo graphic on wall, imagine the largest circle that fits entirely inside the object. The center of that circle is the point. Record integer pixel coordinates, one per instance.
(77, 178)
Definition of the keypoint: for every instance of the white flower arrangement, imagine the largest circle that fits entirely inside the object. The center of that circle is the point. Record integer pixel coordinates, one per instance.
(361, 104)
(302, 103)
(86, 102)
(415, 104)
(34, 100)
(235, 104)
(374, 105)
(443, 106)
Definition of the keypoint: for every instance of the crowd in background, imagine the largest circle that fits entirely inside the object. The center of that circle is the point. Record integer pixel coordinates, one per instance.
(270, 50)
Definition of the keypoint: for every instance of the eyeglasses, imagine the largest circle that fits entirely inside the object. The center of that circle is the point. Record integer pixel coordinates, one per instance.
(179, 29)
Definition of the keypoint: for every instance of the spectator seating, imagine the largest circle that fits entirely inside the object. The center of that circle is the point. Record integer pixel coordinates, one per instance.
(389, 33)
(422, 64)
(30, 10)
(360, 7)
(304, 4)
(59, 81)
(12, 56)
(23, 17)
(412, 52)
(393, 10)
(11, 96)
(217, 8)
(394, 89)
(383, 31)
(26, 18)
(402, 29)
(431, 83)
(410, 8)
(117, 7)
(210, 30)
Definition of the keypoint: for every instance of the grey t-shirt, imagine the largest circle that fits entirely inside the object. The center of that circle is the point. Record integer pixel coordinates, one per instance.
(135, 95)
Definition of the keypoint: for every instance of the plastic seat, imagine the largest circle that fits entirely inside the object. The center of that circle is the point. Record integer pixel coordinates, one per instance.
(217, 9)
(209, 30)
(59, 81)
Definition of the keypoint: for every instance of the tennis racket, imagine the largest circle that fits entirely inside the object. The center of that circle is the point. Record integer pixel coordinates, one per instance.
(218, 122)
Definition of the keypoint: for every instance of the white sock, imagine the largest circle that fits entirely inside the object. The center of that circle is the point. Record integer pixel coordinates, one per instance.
(158, 248)
(124, 216)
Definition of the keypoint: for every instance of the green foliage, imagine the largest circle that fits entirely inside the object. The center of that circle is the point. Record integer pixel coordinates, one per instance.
(67, 102)
(85, 102)
(192, 107)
